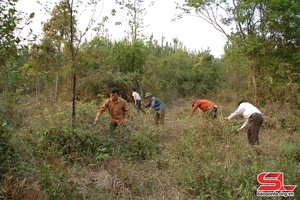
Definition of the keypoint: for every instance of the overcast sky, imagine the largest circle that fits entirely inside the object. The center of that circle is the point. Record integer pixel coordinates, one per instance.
(193, 32)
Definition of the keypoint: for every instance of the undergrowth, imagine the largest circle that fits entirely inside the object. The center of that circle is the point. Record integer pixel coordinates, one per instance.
(192, 158)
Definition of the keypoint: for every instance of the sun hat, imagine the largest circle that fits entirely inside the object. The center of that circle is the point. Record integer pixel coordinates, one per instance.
(148, 95)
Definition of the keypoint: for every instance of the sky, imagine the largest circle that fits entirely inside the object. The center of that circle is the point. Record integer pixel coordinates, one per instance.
(193, 32)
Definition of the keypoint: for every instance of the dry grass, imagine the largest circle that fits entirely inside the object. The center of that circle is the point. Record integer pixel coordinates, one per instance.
(199, 158)
(14, 188)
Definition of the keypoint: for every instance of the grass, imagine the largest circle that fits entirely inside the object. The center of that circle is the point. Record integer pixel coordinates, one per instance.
(192, 158)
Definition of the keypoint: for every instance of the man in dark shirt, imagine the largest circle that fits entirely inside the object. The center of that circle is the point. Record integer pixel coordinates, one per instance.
(156, 104)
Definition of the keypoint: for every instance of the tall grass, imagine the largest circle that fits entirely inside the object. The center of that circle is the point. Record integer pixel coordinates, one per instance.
(194, 158)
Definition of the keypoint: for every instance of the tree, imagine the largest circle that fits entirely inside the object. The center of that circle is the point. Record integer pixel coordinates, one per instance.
(64, 29)
(44, 62)
(12, 23)
(56, 30)
(260, 30)
(74, 41)
(135, 10)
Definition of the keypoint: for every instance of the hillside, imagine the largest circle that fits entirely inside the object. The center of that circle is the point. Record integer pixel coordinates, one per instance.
(192, 158)
(53, 82)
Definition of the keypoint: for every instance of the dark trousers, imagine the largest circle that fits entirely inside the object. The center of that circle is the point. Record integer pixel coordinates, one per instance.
(212, 112)
(138, 106)
(215, 110)
(119, 134)
(256, 121)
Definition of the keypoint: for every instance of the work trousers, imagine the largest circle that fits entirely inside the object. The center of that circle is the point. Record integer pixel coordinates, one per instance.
(138, 106)
(119, 134)
(256, 121)
(212, 112)
(159, 117)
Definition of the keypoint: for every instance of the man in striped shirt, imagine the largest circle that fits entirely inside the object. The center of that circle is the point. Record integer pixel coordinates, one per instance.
(253, 117)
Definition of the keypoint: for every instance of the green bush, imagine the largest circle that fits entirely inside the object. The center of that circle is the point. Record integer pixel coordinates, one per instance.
(290, 150)
(7, 151)
(68, 141)
(143, 145)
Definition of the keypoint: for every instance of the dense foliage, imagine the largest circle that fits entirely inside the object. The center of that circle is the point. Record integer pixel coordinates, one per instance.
(264, 35)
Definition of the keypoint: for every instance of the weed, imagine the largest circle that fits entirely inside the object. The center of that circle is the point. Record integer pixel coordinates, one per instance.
(143, 145)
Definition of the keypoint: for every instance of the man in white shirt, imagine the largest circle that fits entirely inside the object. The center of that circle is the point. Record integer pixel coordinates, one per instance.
(254, 120)
(137, 100)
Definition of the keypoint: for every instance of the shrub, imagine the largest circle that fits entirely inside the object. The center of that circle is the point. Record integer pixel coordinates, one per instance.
(74, 142)
(7, 152)
(143, 145)
(290, 150)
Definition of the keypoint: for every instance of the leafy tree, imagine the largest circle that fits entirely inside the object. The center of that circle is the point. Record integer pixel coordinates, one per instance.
(43, 63)
(121, 56)
(205, 74)
(12, 24)
(56, 30)
(259, 31)
(74, 41)
(96, 53)
(181, 73)
(105, 58)
(64, 30)
(134, 10)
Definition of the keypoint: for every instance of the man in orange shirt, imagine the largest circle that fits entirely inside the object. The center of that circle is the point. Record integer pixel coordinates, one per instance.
(118, 111)
(205, 105)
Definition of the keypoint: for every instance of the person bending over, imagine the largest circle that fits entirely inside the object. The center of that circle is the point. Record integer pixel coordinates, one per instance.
(253, 118)
(205, 106)
(156, 104)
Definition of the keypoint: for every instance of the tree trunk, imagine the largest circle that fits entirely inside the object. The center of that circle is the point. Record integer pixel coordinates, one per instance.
(70, 4)
(56, 86)
(254, 83)
(74, 96)
(37, 89)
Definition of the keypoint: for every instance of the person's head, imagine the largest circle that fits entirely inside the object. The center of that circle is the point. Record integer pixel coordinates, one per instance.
(194, 101)
(242, 101)
(133, 89)
(148, 95)
(114, 93)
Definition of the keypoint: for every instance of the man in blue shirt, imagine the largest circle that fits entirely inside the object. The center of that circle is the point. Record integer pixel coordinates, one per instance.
(156, 104)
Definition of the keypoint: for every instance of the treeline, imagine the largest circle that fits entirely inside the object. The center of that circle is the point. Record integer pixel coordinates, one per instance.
(148, 66)
(261, 59)
(160, 69)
